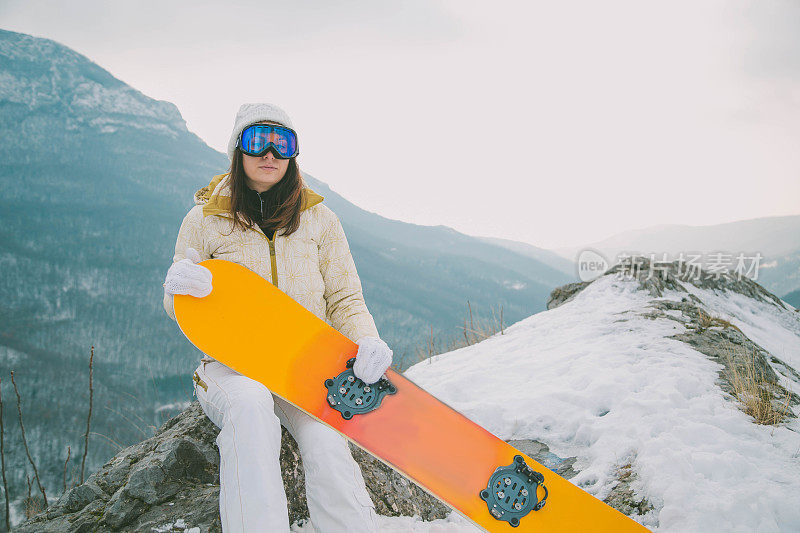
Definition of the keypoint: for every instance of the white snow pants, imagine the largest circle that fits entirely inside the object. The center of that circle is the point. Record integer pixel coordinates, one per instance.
(252, 498)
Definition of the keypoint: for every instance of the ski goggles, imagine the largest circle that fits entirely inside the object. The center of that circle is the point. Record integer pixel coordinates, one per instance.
(255, 140)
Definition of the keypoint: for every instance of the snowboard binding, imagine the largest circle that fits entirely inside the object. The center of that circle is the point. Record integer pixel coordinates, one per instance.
(351, 396)
(511, 491)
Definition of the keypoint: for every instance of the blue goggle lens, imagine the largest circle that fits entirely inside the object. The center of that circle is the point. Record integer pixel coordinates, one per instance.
(256, 140)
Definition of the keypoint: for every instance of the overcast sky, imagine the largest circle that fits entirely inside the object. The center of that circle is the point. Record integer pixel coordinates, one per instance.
(555, 123)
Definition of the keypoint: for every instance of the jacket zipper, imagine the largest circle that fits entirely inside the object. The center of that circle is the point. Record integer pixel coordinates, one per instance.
(272, 258)
(273, 261)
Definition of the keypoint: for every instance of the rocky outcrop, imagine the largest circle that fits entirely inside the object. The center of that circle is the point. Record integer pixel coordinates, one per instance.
(170, 482)
(713, 336)
(623, 498)
(565, 293)
(655, 278)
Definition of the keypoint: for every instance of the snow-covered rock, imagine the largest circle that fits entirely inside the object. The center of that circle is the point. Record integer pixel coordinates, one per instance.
(631, 375)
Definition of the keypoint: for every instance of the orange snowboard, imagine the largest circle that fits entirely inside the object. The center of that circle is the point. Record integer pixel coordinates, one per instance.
(251, 326)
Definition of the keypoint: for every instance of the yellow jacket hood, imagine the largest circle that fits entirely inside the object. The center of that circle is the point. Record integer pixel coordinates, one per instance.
(216, 196)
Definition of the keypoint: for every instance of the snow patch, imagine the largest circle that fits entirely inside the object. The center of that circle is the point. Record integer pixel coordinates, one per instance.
(597, 380)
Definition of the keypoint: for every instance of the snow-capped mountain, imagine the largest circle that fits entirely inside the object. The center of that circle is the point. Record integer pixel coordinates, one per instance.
(39, 74)
(645, 379)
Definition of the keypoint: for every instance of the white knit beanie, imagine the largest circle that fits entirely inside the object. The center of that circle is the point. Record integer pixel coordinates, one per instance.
(252, 113)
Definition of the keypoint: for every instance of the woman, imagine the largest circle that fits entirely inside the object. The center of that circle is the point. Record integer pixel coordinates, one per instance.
(261, 215)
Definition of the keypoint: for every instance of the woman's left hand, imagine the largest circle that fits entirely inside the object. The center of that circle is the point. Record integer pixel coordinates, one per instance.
(372, 359)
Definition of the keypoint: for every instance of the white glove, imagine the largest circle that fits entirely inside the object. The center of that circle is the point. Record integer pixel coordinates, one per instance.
(187, 277)
(372, 359)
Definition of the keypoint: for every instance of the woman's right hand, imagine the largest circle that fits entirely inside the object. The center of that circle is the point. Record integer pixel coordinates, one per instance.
(187, 277)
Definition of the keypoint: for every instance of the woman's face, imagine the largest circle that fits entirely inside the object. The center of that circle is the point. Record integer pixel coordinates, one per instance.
(265, 171)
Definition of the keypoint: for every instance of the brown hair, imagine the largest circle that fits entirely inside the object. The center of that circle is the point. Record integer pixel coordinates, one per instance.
(288, 191)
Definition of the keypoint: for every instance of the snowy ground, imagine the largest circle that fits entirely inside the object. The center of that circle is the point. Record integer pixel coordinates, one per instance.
(595, 380)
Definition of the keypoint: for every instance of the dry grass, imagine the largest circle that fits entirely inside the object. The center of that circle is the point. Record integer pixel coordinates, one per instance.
(32, 504)
(765, 401)
(706, 321)
(472, 331)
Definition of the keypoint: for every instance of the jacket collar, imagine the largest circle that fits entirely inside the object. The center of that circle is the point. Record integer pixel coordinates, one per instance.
(216, 197)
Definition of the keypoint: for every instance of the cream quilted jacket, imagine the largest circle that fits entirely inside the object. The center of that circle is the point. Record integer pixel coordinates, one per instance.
(313, 265)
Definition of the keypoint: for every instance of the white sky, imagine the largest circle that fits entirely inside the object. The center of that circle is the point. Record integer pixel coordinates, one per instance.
(555, 123)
